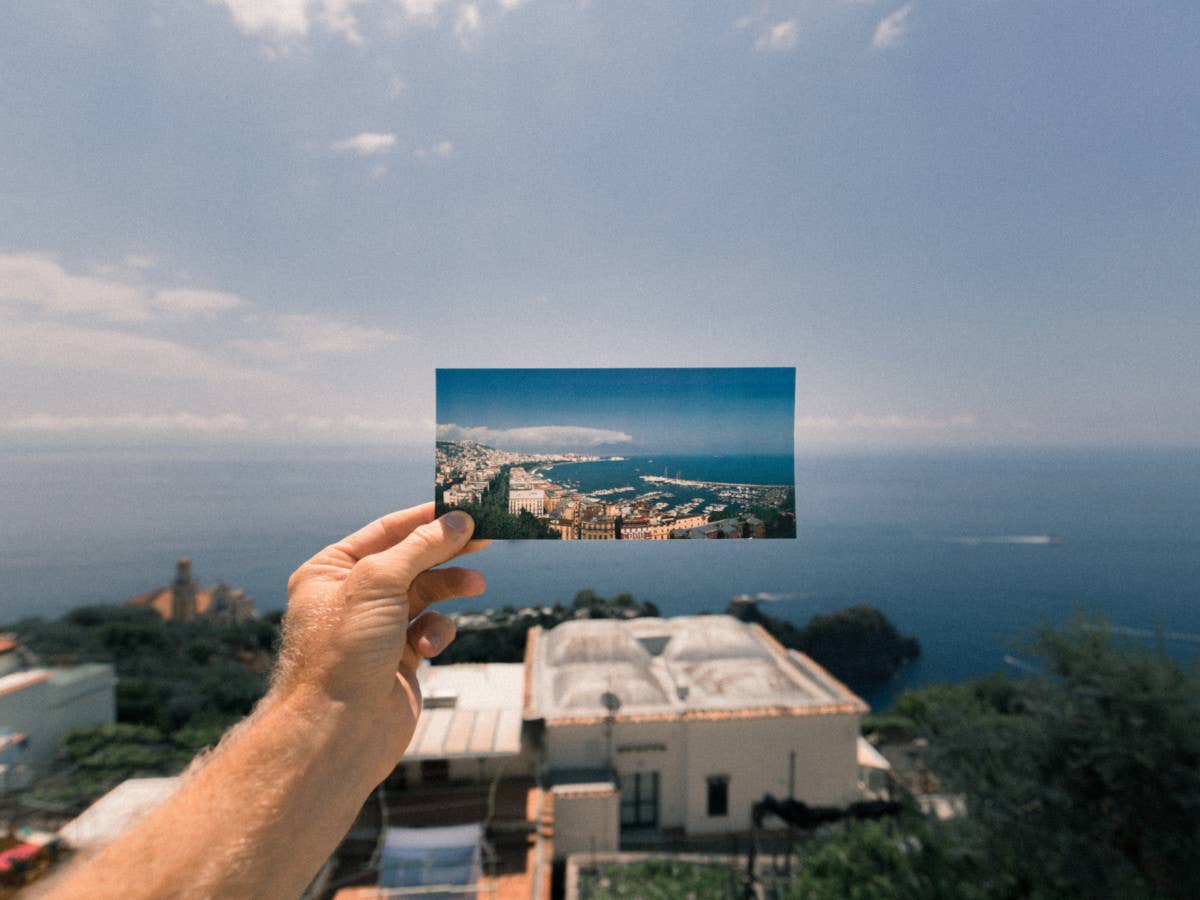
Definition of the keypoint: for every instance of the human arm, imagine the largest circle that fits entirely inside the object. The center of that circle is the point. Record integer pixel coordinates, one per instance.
(277, 795)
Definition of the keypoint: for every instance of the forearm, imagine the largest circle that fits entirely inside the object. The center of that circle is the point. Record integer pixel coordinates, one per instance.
(257, 820)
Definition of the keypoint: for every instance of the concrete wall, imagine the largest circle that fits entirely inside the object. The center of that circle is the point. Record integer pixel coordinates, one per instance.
(585, 823)
(752, 753)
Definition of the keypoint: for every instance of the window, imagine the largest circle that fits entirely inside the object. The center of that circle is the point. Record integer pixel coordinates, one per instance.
(718, 795)
(639, 800)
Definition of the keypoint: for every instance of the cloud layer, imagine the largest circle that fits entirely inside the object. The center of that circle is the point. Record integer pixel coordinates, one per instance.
(535, 437)
(34, 283)
(117, 352)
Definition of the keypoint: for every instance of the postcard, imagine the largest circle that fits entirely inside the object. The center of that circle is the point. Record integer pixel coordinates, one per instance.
(618, 454)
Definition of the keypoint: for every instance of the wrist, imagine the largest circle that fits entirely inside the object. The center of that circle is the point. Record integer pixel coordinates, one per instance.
(332, 732)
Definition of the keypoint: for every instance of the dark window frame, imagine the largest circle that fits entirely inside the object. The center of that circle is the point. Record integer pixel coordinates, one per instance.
(639, 799)
(718, 796)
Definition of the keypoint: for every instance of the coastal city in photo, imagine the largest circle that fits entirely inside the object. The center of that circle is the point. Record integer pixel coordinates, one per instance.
(596, 454)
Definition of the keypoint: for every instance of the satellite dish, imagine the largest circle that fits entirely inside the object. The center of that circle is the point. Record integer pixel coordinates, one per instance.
(611, 702)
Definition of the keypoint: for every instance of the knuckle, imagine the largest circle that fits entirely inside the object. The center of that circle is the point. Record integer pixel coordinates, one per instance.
(371, 570)
(427, 537)
(295, 580)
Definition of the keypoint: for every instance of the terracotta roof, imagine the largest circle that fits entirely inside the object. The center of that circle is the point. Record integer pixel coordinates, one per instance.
(160, 601)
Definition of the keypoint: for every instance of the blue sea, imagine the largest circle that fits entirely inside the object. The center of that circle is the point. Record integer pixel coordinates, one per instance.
(591, 476)
(935, 540)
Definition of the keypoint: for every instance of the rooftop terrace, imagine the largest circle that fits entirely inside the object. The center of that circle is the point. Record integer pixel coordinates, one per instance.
(683, 667)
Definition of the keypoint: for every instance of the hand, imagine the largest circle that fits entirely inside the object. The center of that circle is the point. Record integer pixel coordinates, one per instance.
(357, 623)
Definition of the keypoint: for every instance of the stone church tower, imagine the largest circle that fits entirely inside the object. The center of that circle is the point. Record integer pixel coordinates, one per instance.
(183, 592)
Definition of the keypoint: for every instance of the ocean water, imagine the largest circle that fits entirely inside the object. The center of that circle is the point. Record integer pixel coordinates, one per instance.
(931, 539)
(592, 476)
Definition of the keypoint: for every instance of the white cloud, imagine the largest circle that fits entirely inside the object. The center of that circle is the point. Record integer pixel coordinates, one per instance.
(189, 302)
(290, 429)
(338, 17)
(424, 11)
(275, 18)
(467, 24)
(889, 422)
(39, 284)
(778, 37)
(891, 30)
(291, 20)
(397, 87)
(348, 424)
(368, 143)
(303, 334)
(127, 423)
(507, 5)
(534, 437)
(54, 346)
(439, 150)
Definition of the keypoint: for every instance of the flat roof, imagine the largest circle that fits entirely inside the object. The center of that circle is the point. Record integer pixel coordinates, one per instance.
(471, 710)
(18, 681)
(99, 824)
(686, 667)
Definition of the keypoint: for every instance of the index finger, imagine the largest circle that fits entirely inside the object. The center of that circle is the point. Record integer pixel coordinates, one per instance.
(384, 532)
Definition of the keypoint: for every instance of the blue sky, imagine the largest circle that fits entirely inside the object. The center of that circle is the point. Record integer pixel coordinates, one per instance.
(624, 411)
(966, 223)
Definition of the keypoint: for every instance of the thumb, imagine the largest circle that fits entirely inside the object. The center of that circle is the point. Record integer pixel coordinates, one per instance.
(391, 572)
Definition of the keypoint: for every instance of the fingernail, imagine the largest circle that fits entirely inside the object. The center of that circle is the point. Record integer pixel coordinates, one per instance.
(457, 520)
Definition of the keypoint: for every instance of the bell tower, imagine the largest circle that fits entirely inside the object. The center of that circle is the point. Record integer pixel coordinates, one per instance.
(183, 592)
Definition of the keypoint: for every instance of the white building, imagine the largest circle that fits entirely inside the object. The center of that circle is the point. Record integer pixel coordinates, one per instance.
(683, 724)
(460, 496)
(532, 500)
(44, 704)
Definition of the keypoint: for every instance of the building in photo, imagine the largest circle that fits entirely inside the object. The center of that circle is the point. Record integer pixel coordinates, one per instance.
(533, 501)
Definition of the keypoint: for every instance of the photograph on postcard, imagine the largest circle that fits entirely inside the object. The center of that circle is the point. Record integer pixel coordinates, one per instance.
(618, 454)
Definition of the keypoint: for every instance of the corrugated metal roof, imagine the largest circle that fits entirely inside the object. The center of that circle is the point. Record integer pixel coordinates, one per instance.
(473, 710)
(448, 733)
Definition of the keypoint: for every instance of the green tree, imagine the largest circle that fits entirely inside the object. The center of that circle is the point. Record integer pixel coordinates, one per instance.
(906, 860)
(859, 645)
(1083, 781)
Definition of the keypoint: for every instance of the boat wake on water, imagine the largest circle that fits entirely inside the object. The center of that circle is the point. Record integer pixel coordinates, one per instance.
(1035, 540)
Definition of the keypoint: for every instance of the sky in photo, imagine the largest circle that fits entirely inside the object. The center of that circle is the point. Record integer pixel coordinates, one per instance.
(228, 223)
(624, 411)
